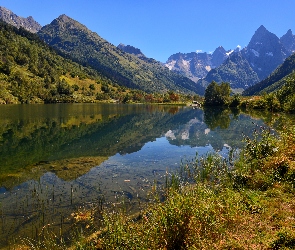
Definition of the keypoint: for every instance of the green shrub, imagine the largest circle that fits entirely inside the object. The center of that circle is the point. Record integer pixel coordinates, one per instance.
(284, 240)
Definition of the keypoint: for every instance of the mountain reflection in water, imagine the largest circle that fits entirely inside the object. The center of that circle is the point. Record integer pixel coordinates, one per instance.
(57, 158)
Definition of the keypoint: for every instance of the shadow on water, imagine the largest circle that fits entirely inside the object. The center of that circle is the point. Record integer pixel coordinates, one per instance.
(57, 159)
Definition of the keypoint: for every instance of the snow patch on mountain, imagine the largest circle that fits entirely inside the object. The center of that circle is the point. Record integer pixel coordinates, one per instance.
(228, 53)
(256, 53)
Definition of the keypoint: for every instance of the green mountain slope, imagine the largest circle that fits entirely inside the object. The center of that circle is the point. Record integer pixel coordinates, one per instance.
(31, 71)
(276, 80)
(88, 48)
(235, 70)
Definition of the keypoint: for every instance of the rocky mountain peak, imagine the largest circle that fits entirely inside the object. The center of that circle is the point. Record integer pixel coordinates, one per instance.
(196, 65)
(289, 32)
(262, 29)
(62, 21)
(262, 37)
(65, 18)
(66, 25)
(264, 52)
(218, 56)
(288, 40)
(27, 23)
(219, 49)
(131, 50)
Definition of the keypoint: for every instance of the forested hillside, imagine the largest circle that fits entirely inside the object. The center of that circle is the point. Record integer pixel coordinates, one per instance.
(277, 92)
(88, 48)
(33, 72)
(30, 71)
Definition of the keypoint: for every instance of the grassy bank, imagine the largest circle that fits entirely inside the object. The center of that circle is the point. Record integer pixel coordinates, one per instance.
(243, 202)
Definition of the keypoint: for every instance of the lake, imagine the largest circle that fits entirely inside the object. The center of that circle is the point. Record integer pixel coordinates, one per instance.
(61, 158)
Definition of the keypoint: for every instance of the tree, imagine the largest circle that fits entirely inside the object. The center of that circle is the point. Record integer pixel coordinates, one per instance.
(173, 97)
(217, 95)
(91, 86)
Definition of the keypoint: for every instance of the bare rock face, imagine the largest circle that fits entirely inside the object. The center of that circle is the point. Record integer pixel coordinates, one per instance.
(288, 40)
(265, 52)
(27, 23)
(196, 65)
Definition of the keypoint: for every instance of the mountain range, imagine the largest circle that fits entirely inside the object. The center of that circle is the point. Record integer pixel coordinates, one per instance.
(197, 65)
(88, 48)
(75, 41)
(241, 68)
(183, 72)
(28, 23)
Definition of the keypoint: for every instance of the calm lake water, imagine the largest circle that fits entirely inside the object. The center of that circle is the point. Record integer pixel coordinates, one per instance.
(57, 159)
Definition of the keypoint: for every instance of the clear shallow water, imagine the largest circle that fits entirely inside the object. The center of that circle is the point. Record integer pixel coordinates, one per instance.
(56, 159)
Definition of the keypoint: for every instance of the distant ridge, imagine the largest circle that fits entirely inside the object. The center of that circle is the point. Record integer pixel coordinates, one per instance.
(288, 40)
(241, 68)
(196, 65)
(27, 23)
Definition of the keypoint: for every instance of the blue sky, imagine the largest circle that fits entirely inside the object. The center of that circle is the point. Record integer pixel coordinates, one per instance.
(161, 28)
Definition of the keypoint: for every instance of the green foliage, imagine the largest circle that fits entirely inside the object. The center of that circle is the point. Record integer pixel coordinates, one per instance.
(75, 87)
(277, 90)
(241, 201)
(105, 88)
(63, 88)
(279, 100)
(91, 86)
(217, 95)
(31, 71)
(235, 101)
(286, 94)
(262, 145)
(213, 203)
(284, 240)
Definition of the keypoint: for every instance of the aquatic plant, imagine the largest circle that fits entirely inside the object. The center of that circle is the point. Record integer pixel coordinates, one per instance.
(239, 202)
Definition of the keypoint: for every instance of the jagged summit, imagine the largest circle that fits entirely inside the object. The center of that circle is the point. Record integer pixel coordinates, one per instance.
(131, 50)
(262, 35)
(65, 22)
(27, 23)
(288, 40)
(264, 52)
(289, 32)
(261, 29)
(66, 19)
(218, 56)
(243, 68)
(196, 65)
